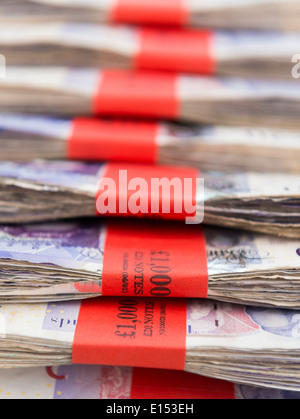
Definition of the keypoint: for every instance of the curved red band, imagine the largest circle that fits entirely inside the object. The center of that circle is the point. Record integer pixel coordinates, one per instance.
(113, 140)
(186, 51)
(155, 260)
(160, 12)
(137, 94)
(106, 334)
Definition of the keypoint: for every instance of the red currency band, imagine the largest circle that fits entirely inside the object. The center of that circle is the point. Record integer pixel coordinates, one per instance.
(187, 51)
(147, 94)
(113, 140)
(147, 191)
(155, 260)
(166, 12)
(178, 385)
(117, 331)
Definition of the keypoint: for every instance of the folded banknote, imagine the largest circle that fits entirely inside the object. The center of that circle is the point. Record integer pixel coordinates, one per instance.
(211, 147)
(78, 260)
(232, 53)
(81, 382)
(246, 345)
(52, 190)
(253, 14)
(73, 91)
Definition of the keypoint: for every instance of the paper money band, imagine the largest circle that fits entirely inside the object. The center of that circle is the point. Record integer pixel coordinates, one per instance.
(113, 140)
(166, 12)
(132, 332)
(176, 50)
(147, 191)
(154, 260)
(178, 385)
(136, 93)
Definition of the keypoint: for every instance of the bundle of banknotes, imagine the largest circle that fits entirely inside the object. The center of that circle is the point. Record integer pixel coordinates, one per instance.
(223, 341)
(65, 261)
(251, 14)
(231, 53)
(70, 91)
(139, 306)
(207, 147)
(42, 190)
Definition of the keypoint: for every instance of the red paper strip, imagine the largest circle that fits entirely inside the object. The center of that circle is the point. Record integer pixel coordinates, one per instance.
(176, 50)
(166, 12)
(162, 384)
(155, 260)
(136, 93)
(134, 190)
(113, 140)
(135, 332)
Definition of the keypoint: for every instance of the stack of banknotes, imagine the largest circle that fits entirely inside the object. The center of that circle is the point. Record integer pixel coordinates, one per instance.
(207, 147)
(64, 261)
(49, 190)
(235, 53)
(133, 305)
(251, 14)
(225, 341)
(72, 91)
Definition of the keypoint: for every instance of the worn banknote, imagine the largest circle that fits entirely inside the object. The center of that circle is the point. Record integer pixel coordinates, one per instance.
(223, 340)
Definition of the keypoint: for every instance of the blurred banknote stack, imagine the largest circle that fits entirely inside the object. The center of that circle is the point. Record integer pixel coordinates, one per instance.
(149, 199)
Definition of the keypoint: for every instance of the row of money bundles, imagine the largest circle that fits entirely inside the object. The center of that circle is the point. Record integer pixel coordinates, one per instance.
(149, 199)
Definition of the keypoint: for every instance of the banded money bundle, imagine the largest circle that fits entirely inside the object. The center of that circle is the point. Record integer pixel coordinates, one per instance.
(219, 300)
(50, 190)
(218, 340)
(77, 260)
(154, 94)
(227, 149)
(232, 53)
(253, 14)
